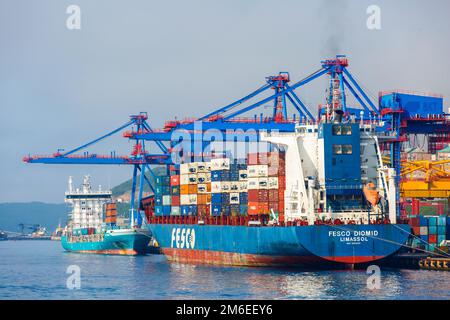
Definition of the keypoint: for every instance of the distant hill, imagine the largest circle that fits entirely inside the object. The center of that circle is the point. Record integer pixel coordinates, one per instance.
(123, 190)
(49, 214)
(45, 214)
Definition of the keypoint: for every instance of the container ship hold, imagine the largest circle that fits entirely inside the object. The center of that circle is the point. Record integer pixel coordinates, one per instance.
(92, 225)
(319, 197)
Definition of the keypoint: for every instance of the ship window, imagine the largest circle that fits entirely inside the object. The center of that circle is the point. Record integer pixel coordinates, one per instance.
(337, 149)
(347, 149)
(347, 130)
(337, 130)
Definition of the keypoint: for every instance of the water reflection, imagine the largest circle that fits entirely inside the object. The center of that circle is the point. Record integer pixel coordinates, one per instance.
(38, 271)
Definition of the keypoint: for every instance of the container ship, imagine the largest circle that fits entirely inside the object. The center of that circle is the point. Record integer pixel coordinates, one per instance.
(92, 224)
(319, 196)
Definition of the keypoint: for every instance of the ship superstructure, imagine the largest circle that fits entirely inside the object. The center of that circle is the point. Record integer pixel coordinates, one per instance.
(87, 204)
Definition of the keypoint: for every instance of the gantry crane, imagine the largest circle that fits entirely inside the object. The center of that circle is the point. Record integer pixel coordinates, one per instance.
(230, 117)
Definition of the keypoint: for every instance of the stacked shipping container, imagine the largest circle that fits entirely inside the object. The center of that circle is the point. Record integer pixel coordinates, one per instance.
(431, 230)
(221, 187)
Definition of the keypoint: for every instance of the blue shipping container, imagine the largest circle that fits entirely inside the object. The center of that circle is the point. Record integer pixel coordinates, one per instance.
(158, 210)
(226, 210)
(216, 198)
(216, 210)
(216, 175)
(167, 210)
(243, 198)
(184, 210)
(432, 221)
(158, 200)
(432, 230)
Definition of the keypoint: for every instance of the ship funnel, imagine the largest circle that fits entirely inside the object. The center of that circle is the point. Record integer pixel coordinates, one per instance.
(338, 114)
(70, 184)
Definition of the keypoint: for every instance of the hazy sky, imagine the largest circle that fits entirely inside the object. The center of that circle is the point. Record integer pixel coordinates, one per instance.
(59, 87)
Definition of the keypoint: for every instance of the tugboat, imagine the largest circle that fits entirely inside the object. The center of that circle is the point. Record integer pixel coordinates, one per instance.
(92, 224)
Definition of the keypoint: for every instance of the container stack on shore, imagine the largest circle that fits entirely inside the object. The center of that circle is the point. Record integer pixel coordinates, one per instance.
(430, 231)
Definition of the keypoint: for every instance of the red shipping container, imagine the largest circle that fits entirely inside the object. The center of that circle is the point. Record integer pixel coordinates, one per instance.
(416, 231)
(175, 201)
(273, 206)
(258, 195)
(273, 195)
(273, 171)
(175, 180)
(202, 210)
(432, 238)
(252, 158)
(414, 222)
(263, 158)
(282, 182)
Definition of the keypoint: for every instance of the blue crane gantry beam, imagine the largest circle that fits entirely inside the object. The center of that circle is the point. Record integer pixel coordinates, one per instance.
(220, 119)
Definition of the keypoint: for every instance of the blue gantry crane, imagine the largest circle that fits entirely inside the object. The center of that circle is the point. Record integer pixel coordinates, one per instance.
(282, 97)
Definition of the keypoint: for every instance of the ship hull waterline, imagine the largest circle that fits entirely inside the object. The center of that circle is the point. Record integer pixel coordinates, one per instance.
(297, 246)
(123, 244)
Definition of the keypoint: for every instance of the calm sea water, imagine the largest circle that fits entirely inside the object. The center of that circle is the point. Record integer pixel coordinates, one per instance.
(37, 270)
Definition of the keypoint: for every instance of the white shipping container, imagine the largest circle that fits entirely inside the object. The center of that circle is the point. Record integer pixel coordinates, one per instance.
(272, 183)
(184, 169)
(243, 186)
(175, 211)
(243, 175)
(423, 231)
(263, 183)
(184, 199)
(225, 186)
(184, 179)
(167, 200)
(202, 188)
(201, 167)
(220, 164)
(208, 177)
(216, 187)
(192, 167)
(252, 183)
(201, 178)
(192, 199)
(192, 178)
(252, 171)
(263, 170)
(234, 198)
(234, 186)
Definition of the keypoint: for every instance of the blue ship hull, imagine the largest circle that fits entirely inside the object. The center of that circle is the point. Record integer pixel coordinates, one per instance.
(300, 246)
(131, 243)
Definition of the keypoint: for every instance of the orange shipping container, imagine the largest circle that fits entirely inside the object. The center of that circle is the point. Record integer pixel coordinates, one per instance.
(184, 189)
(192, 188)
(253, 208)
(202, 199)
